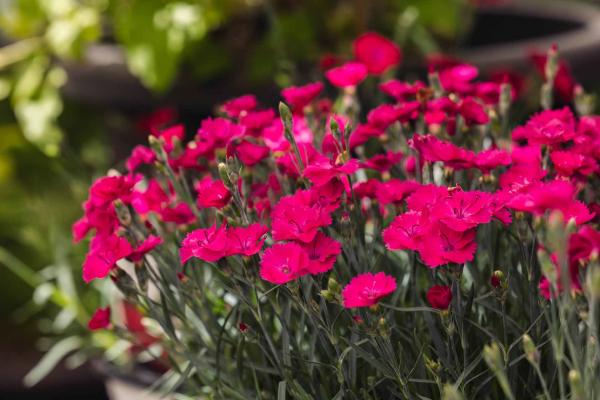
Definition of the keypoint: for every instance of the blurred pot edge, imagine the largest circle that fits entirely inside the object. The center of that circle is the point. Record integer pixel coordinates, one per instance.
(103, 79)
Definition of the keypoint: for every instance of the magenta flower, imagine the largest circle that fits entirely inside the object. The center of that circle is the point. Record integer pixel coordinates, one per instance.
(322, 253)
(100, 319)
(247, 240)
(211, 193)
(107, 189)
(180, 214)
(299, 97)
(376, 52)
(206, 244)
(367, 289)
(298, 217)
(103, 255)
(149, 244)
(569, 163)
(400, 90)
(473, 112)
(382, 162)
(432, 149)
(255, 121)
(348, 75)
(240, 105)
(250, 153)
(283, 262)
(464, 210)
(219, 131)
(439, 297)
(551, 127)
(404, 233)
(441, 245)
(320, 173)
(490, 159)
(140, 155)
(395, 190)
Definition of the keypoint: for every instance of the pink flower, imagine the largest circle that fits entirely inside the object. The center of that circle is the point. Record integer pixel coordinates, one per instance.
(395, 190)
(322, 172)
(299, 97)
(439, 297)
(383, 116)
(568, 163)
(322, 253)
(298, 217)
(464, 210)
(487, 160)
(212, 193)
(283, 262)
(180, 214)
(103, 255)
(139, 156)
(240, 105)
(349, 74)
(247, 240)
(376, 52)
(432, 149)
(551, 127)
(404, 233)
(382, 162)
(250, 153)
(367, 289)
(206, 244)
(400, 90)
(149, 244)
(457, 78)
(100, 319)
(219, 131)
(441, 245)
(107, 189)
(255, 121)
(473, 112)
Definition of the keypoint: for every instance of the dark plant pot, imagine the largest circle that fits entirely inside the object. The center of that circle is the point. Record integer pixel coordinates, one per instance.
(502, 36)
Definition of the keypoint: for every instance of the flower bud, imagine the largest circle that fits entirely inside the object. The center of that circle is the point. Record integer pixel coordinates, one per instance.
(450, 392)
(577, 390)
(436, 84)
(287, 119)
(593, 281)
(333, 285)
(327, 295)
(531, 352)
(383, 327)
(493, 357)
(223, 174)
(505, 99)
(551, 68)
(497, 278)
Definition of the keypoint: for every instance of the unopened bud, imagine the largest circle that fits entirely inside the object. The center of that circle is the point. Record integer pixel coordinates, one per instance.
(383, 327)
(531, 352)
(327, 295)
(450, 392)
(505, 99)
(286, 118)
(493, 357)
(436, 84)
(497, 278)
(223, 174)
(577, 390)
(551, 68)
(333, 285)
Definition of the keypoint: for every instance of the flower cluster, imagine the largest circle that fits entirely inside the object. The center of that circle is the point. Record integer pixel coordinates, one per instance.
(292, 205)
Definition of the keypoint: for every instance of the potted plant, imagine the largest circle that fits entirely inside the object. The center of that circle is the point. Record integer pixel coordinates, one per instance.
(430, 250)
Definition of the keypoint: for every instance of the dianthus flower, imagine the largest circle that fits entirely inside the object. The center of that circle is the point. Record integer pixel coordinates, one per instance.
(367, 289)
(347, 75)
(240, 105)
(103, 255)
(283, 262)
(100, 319)
(376, 52)
(404, 233)
(439, 297)
(298, 217)
(323, 171)
(432, 149)
(208, 244)
(212, 193)
(322, 253)
(462, 211)
(441, 245)
(247, 240)
(299, 97)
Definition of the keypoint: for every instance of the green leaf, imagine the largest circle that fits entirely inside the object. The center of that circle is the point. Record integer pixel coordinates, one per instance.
(51, 359)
